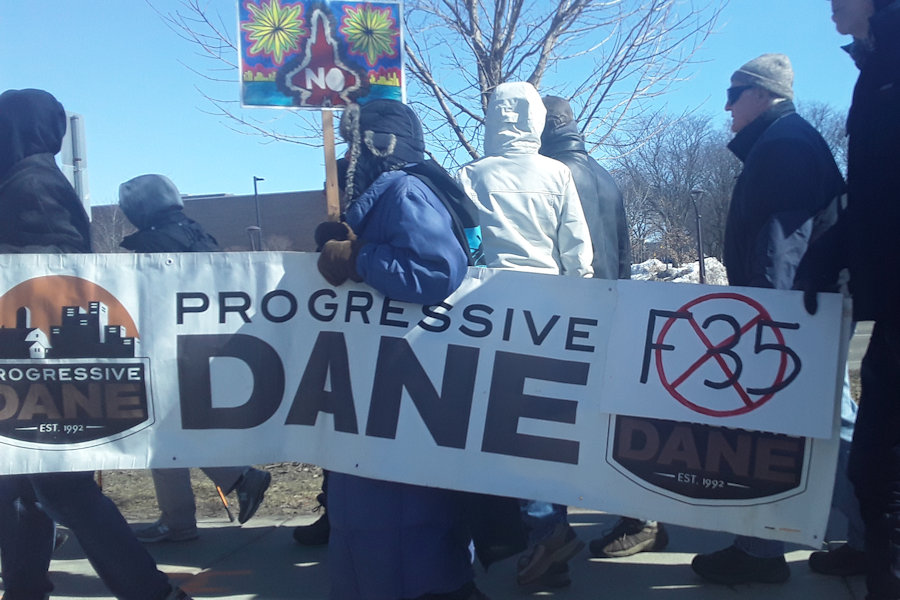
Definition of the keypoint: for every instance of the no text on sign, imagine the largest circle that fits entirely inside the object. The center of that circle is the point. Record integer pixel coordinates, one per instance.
(722, 323)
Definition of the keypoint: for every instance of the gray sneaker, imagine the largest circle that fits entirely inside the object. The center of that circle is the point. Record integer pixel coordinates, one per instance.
(630, 536)
(160, 532)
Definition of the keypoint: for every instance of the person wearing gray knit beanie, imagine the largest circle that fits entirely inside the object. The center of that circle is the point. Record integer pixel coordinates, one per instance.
(757, 86)
(788, 177)
(771, 72)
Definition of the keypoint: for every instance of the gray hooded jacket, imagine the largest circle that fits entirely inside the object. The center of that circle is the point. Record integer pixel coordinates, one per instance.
(153, 204)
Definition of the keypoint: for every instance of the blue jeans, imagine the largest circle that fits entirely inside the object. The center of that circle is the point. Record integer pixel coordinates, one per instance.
(73, 500)
(541, 517)
(844, 497)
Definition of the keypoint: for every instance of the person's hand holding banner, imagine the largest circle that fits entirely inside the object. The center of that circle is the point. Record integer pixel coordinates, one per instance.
(332, 230)
(337, 262)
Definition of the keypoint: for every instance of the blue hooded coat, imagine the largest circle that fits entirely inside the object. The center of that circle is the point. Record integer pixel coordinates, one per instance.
(393, 541)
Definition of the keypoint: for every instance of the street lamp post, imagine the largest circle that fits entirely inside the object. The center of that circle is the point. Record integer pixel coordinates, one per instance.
(696, 194)
(256, 202)
(253, 234)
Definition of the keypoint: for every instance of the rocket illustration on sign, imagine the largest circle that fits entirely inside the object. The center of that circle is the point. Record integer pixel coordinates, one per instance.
(310, 54)
(319, 77)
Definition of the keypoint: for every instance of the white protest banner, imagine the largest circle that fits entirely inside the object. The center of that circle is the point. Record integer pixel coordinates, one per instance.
(133, 361)
(721, 357)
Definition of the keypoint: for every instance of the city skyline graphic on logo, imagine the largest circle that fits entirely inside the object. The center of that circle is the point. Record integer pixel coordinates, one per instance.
(69, 367)
(61, 316)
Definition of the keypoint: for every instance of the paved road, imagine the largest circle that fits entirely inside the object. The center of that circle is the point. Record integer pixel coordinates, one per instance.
(261, 561)
(858, 344)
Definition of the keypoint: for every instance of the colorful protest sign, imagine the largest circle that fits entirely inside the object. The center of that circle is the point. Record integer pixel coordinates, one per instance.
(310, 54)
(133, 361)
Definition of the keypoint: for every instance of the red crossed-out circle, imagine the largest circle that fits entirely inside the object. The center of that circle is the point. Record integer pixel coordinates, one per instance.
(749, 404)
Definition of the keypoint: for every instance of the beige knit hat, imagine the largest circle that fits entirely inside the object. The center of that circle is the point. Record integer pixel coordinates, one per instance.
(771, 72)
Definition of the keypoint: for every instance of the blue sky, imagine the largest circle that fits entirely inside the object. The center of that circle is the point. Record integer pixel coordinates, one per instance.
(116, 63)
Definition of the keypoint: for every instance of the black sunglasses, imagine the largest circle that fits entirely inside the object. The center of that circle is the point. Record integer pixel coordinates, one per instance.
(734, 93)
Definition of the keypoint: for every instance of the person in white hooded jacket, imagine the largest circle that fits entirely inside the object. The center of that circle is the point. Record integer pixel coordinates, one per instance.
(531, 220)
(531, 217)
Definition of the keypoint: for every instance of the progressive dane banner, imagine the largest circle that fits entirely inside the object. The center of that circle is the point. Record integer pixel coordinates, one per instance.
(709, 407)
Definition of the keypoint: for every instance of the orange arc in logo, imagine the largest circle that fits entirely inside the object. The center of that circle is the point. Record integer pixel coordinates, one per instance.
(46, 297)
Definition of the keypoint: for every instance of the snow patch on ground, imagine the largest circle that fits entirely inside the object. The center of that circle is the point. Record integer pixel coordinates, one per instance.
(656, 270)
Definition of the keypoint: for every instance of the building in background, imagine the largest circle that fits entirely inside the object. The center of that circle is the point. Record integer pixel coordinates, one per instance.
(287, 220)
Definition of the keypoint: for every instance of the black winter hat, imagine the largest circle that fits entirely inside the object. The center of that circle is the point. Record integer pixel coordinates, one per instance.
(385, 128)
(559, 111)
(383, 135)
(31, 122)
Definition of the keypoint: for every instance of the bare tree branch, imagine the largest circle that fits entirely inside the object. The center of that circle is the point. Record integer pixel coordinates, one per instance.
(609, 57)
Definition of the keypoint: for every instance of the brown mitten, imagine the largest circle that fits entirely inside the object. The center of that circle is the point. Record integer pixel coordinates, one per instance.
(337, 262)
(332, 230)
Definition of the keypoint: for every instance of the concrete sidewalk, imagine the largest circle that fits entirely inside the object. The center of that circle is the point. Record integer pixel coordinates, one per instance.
(261, 560)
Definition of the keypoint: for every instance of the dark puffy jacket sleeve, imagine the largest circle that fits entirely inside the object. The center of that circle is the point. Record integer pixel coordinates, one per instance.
(410, 252)
(791, 185)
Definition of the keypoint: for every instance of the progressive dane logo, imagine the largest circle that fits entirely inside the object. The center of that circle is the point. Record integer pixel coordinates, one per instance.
(703, 465)
(68, 366)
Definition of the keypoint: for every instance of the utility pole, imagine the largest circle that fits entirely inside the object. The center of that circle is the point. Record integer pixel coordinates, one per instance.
(259, 232)
(696, 195)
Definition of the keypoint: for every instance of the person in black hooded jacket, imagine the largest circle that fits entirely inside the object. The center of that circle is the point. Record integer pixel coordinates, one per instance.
(865, 240)
(42, 214)
(41, 211)
(601, 198)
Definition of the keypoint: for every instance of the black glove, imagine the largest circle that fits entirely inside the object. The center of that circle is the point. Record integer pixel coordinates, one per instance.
(332, 230)
(820, 268)
(337, 262)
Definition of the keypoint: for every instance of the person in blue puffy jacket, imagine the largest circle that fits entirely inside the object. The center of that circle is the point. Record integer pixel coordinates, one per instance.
(393, 541)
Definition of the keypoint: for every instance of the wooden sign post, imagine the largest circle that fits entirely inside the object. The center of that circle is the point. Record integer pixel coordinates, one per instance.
(332, 199)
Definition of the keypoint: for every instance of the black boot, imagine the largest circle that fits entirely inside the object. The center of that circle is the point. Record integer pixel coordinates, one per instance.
(317, 532)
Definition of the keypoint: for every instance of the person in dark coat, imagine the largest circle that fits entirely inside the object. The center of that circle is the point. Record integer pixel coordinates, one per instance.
(41, 211)
(153, 204)
(393, 541)
(601, 199)
(604, 210)
(789, 176)
(865, 239)
(42, 214)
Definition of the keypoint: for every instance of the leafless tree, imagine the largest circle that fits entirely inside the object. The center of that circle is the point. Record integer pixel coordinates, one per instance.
(639, 211)
(832, 124)
(108, 226)
(279, 242)
(210, 32)
(610, 57)
(691, 154)
(720, 170)
(671, 165)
